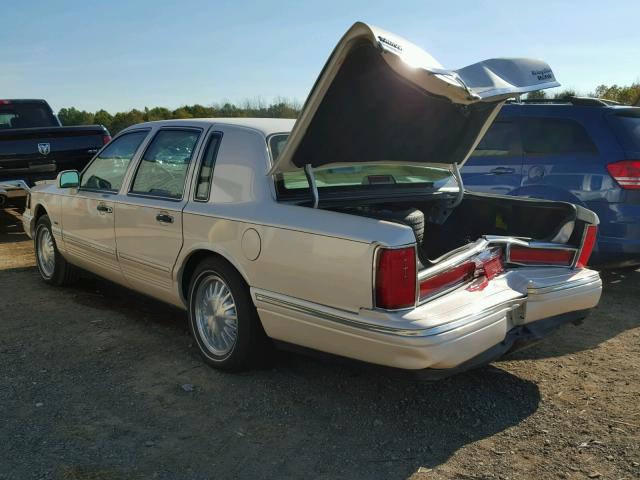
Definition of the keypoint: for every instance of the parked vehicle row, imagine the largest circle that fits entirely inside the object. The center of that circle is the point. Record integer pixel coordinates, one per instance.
(34, 146)
(346, 232)
(583, 151)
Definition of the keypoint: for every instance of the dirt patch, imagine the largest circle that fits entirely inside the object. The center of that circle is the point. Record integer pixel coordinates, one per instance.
(98, 382)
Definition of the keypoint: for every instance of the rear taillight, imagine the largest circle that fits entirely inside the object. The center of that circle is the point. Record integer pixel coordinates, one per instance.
(396, 278)
(541, 256)
(448, 279)
(5, 102)
(588, 242)
(106, 139)
(626, 173)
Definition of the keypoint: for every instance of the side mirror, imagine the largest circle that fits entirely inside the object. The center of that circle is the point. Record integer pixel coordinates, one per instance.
(68, 179)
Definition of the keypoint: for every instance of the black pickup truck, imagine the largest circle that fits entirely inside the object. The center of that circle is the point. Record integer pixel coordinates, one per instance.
(35, 146)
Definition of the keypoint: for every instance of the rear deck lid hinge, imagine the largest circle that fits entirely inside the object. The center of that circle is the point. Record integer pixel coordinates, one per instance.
(442, 210)
(311, 178)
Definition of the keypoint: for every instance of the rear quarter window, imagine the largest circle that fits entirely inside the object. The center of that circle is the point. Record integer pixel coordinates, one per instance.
(626, 126)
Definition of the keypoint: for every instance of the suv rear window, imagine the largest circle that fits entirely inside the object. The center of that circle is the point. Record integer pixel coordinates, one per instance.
(626, 125)
(547, 136)
(26, 115)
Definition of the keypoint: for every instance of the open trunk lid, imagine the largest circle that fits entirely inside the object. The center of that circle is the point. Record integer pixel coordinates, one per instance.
(379, 98)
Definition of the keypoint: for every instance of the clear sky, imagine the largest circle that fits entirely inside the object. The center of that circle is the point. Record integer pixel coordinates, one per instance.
(121, 54)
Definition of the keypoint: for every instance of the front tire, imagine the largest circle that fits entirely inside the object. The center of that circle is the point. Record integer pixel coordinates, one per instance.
(222, 318)
(53, 268)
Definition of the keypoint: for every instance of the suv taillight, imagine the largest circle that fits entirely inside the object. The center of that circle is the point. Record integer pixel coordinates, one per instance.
(626, 173)
(396, 278)
(588, 242)
(106, 139)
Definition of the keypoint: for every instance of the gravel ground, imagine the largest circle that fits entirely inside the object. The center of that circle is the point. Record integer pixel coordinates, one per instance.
(97, 382)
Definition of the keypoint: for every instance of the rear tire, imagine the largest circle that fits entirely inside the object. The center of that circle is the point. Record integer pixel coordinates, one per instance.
(223, 319)
(53, 268)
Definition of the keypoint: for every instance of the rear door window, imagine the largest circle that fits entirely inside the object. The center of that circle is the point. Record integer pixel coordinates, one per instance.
(163, 168)
(203, 186)
(502, 139)
(548, 136)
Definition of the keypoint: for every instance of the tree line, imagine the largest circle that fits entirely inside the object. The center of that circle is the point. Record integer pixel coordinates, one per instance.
(283, 108)
(626, 95)
(280, 108)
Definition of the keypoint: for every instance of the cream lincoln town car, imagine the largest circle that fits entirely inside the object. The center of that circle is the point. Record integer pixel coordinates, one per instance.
(347, 231)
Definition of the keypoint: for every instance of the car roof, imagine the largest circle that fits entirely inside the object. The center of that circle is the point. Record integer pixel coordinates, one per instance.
(266, 126)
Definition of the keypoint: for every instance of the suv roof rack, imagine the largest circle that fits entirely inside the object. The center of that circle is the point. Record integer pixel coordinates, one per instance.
(577, 101)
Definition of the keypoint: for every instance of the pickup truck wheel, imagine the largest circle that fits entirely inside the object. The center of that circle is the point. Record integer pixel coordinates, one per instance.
(53, 268)
(222, 318)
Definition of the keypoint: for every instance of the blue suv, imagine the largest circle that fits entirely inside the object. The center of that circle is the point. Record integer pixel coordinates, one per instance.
(583, 150)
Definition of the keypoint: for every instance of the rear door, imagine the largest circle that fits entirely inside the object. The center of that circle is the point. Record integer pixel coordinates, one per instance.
(495, 166)
(561, 161)
(148, 221)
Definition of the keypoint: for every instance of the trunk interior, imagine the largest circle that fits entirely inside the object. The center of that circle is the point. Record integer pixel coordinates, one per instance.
(477, 215)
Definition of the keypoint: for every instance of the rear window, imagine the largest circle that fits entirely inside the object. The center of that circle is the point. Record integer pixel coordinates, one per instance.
(548, 136)
(359, 176)
(26, 115)
(627, 128)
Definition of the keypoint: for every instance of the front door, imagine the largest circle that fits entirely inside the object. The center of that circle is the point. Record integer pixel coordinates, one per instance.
(148, 220)
(88, 212)
(496, 164)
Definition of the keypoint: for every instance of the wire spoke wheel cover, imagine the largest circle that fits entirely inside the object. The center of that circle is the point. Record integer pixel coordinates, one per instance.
(46, 252)
(216, 315)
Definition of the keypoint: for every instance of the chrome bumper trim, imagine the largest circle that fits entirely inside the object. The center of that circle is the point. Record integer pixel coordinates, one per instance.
(558, 287)
(402, 332)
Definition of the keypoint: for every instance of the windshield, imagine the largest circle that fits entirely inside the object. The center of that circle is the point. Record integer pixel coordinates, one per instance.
(627, 127)
(26, 115)
(379, 175)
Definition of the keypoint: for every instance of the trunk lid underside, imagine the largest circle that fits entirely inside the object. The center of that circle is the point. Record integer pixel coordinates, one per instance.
(380, 98)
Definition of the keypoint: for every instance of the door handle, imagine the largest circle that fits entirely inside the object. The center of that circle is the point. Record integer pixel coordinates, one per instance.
(102, 208)
(164, 218)
(503, 170)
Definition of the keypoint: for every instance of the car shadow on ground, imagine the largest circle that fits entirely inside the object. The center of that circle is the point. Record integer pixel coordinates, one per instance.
(115, 364)
(283, 413)
(614, 315)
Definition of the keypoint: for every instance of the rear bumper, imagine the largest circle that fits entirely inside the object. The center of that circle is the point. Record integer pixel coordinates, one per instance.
(616, 252)
(444, 334)
(618, 236)
(13, 193)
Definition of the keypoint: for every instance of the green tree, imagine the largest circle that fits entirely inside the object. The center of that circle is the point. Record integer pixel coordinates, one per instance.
(280, 108)
(628, 95)
(537, 95)
(102, 117)
(565, 94)
(73, 116)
